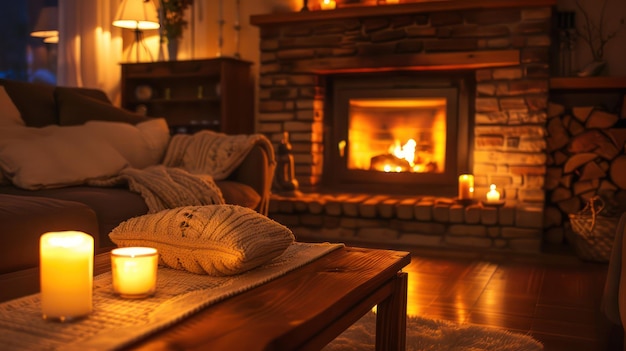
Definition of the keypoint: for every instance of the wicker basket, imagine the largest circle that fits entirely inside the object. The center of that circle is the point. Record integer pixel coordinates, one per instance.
(592, 234)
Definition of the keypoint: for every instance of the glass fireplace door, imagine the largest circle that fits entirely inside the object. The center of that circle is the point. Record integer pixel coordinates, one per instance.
(386, 137)
(397, 134)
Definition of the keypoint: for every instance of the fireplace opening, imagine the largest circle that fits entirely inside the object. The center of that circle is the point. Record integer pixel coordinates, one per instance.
(396, 134)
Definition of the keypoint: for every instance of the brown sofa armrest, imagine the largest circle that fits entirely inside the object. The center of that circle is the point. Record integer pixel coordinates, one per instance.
(257, 171)
(24, 218)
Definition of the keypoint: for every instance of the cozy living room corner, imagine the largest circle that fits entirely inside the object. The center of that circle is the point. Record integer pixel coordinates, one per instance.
(313, 175)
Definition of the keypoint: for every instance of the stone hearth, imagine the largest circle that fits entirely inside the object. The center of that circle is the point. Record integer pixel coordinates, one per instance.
(393, 221)
(505, 44)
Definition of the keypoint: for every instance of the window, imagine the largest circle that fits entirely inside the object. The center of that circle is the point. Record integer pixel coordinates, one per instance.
(23, 57)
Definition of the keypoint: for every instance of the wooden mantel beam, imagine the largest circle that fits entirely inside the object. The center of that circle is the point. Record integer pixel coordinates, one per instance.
(391, 10)
(414, 62)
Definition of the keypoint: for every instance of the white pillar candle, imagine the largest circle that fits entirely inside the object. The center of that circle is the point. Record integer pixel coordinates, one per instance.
(66, 275)
(466, 187)
(134, 271)
(493, 195)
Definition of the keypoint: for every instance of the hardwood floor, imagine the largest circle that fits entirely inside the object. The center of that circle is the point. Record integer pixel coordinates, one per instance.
(554, 298)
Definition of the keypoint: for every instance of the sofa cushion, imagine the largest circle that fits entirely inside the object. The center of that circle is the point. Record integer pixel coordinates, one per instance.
(54, 156)
(35, 158)
(34, 101)
(112, 205)
(78, 108)
(237, 193)
(217, 240)
(23, 219)
(91, 93)
(142, 145)
(9, 114)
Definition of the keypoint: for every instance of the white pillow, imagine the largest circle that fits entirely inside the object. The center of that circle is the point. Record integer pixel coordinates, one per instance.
(217, 240)
(9, 114)
(142, 145)
(51, 157)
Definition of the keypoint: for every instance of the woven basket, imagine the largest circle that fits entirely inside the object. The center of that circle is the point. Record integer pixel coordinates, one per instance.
(591, 233)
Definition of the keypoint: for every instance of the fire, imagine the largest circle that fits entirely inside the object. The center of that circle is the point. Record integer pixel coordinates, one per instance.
(403, 135)
(403, 158)
(406, 151)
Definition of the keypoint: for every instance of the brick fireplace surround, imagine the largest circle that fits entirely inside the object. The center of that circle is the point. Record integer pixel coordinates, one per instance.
(506, 43)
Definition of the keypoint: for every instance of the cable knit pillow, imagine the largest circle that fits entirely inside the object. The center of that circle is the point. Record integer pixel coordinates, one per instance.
(217, 240)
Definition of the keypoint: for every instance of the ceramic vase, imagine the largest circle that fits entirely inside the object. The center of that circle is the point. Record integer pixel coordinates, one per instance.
(172, 48)
(593, 69)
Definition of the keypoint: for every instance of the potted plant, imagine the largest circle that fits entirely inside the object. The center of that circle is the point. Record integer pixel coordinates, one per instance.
(596, 36)
(173, 22)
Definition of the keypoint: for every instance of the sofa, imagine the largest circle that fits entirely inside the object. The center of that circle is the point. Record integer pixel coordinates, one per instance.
(27, 211)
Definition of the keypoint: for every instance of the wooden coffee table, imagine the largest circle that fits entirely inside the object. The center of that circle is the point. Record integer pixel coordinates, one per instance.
(302, 310)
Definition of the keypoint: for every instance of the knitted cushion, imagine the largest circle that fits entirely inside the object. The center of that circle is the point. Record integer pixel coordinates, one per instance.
(217, 240)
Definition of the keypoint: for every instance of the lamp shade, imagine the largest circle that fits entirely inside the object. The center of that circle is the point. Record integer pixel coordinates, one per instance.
(137, 14)
(51, 40)
(47, 24)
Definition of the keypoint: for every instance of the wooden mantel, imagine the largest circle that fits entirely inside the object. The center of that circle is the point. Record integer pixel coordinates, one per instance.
(413, 62)
(391, 10)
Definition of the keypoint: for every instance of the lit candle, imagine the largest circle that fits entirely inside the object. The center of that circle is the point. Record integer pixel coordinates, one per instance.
(66, 275)
(393, 1)
(134, 271)
(328, 4)
(493, 195)
(466, 186)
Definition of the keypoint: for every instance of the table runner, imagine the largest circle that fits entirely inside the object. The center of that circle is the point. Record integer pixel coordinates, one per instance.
(116, 322)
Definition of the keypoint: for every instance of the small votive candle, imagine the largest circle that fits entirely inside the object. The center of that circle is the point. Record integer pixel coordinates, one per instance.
(134, 271)
(66, 275)
(466, 187)
(493, 195)
(328, 4)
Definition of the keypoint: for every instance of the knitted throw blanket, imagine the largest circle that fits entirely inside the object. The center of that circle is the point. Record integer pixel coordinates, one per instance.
(216, 154)
(186, 175)
(167, 187)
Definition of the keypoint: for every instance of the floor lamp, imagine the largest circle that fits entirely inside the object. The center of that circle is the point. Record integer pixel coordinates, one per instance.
(137, 15)
(47, 26)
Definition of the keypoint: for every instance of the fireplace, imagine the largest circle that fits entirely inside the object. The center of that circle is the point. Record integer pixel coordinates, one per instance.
(397, 132)
(494, 54)
(497, 52)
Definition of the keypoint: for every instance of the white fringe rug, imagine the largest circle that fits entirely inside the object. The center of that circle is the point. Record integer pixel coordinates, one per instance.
(436, 335)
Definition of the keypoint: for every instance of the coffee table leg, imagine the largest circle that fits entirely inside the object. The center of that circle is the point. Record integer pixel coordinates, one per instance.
(391, 317)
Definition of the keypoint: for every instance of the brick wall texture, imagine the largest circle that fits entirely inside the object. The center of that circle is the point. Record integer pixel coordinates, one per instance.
(509, 109)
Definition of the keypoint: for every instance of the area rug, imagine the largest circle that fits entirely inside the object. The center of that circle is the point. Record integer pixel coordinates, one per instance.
(425, 334)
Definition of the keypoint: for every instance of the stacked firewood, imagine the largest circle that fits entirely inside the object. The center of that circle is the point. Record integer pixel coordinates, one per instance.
(586, 157)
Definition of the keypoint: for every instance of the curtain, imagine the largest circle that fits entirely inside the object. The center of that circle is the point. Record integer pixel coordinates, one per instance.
(90, 47)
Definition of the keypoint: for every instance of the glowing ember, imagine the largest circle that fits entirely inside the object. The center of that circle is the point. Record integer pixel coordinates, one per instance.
(404, 158)
(406, 152)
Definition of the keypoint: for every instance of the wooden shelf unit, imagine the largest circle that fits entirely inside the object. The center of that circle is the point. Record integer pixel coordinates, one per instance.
(216, 94)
